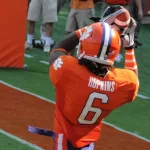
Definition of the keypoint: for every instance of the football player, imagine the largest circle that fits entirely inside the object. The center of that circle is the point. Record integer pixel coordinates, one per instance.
(88, 87)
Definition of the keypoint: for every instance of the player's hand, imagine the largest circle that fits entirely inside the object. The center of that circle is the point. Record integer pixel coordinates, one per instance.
(95, 19)
(128, 37)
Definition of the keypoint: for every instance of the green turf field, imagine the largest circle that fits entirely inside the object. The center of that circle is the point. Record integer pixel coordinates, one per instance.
(7, 143)
(134, 117)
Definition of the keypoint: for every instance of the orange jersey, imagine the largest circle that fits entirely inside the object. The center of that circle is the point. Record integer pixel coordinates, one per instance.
(117, 2)
(77, 4)
(83, 99)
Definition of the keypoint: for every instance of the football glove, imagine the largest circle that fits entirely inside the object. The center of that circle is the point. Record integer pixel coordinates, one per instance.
(128, 37)
(95, 19)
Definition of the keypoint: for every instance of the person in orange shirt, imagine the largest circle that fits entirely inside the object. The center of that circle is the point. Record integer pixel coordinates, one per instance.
(88, 87)
(117, 2)
(80, 14)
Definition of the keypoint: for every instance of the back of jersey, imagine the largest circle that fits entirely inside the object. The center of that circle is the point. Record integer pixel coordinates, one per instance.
(84, 99)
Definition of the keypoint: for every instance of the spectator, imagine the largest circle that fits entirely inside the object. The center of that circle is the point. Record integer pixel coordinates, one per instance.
(48, 8)
(29, 2)
(80, 14)
(136, 10)
(60, 4)
(79, 113)
(40, 44)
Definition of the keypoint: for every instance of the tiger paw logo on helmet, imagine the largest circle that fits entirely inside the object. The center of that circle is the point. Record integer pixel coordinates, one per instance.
(87, 32)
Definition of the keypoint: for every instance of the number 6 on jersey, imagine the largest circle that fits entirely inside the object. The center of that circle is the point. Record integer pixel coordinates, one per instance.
(88, 108)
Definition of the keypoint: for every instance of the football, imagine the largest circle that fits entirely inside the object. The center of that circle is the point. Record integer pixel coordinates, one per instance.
(123, 19)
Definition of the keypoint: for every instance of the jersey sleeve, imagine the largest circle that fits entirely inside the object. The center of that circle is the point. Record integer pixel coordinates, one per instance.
(132, 83)
(57, 69)
(128, 85)
(133, 86)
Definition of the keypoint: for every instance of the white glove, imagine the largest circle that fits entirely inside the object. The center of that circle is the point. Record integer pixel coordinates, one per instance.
(128, 37)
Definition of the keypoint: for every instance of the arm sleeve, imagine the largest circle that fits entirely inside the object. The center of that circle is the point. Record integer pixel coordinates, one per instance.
(68, 43)
(64, 46)
(55, 54)
(130, 61)
(133, 93)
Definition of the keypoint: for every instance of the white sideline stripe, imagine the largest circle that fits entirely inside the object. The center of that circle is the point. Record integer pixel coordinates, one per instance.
(28, 56)
(143, 97)
(117, 128)
(48, 100)
(43, 98)
(20, 140)
(41, 61)
(44, 62)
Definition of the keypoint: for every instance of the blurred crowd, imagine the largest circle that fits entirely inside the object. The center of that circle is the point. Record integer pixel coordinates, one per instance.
(79, 15)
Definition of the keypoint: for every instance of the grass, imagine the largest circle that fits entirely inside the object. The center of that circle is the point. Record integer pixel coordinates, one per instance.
(6, 143)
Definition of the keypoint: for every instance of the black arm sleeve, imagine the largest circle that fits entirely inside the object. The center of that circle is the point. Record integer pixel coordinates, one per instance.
(68, 43)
